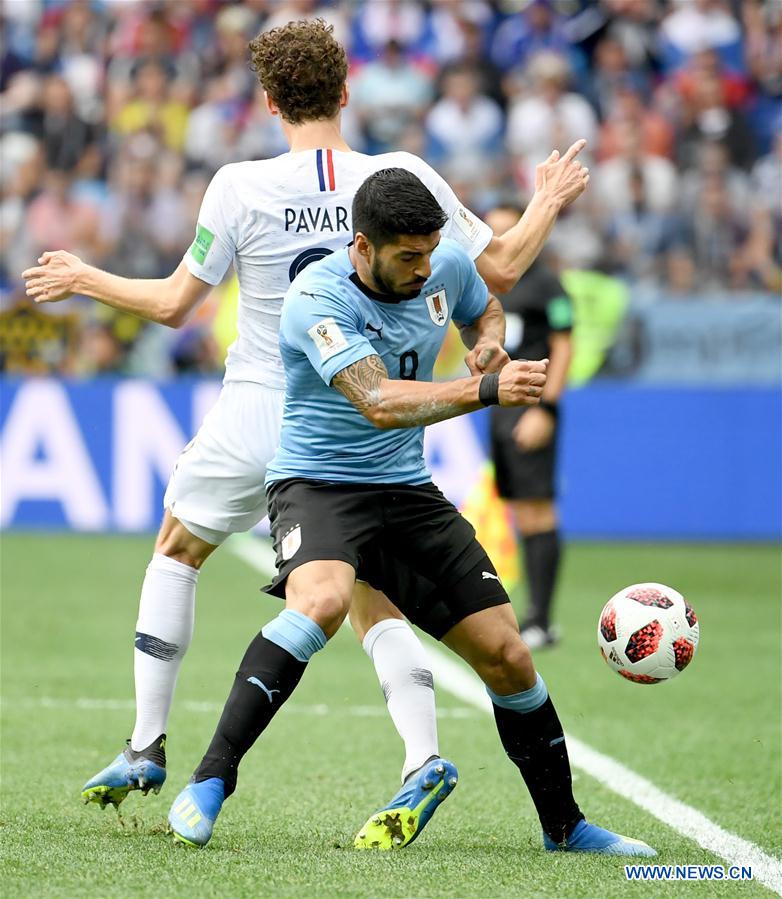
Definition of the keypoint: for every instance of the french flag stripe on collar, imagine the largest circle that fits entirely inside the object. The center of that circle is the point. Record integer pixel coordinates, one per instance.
(329, 170)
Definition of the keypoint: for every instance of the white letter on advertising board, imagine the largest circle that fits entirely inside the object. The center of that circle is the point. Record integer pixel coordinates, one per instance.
(147, 441)
(44, 458)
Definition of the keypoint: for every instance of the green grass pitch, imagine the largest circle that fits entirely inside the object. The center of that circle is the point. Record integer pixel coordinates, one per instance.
(711, 738)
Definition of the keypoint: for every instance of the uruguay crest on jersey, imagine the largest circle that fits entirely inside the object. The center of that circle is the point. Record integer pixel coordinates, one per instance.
(437, 304)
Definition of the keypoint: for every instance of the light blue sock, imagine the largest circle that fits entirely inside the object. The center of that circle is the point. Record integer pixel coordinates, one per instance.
(526, 701)
(296, 634)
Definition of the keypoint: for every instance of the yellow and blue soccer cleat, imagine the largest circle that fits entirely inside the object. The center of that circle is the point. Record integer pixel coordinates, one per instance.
(193, 814)
(144, 770)
(591, 838)
(402, 820)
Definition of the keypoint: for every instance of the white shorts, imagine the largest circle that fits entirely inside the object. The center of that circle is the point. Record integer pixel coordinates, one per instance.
(216, 487)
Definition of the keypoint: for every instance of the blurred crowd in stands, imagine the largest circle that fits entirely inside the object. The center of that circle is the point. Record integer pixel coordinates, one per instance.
(115, 114)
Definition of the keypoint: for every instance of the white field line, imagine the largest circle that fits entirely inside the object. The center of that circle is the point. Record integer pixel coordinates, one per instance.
(318, 710)
(454, 677)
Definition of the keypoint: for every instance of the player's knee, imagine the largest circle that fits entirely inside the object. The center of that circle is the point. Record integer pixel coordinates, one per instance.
(508, 667)
(326, 603)
(177, 543)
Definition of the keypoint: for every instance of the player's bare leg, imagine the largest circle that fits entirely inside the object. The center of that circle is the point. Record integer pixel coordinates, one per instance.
(530, 731)
(489, 641)
(368, 608)
(176, 542)
(163, 633)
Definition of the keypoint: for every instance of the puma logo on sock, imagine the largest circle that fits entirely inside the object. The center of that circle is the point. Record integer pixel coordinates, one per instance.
(262, 685)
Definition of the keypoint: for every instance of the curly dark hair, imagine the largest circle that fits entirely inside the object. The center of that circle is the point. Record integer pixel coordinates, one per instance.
(302, 68)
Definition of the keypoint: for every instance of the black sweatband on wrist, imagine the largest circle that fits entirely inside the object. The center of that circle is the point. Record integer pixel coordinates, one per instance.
(551, 408)
(489, 389)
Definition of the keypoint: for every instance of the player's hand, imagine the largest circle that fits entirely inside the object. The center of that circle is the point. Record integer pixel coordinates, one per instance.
(54, 278)
(486, 357)
(522, 383)
(563, 178)
(534, 430)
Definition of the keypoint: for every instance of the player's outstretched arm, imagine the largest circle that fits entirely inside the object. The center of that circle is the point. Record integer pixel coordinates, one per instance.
(485, 338)
(389, 403)
(558, 182)
(168, 301)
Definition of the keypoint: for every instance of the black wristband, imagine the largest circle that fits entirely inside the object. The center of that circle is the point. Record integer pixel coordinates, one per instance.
(551, 408)
(489, 390)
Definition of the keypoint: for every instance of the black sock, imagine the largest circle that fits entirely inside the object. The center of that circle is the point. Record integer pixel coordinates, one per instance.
(541, 564)
(155, 752)
(535, 743)
(266, 678)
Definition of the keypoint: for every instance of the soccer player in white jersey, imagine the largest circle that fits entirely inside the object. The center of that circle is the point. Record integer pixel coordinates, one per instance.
(271, 218)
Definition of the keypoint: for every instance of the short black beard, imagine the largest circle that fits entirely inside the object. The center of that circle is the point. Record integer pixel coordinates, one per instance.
(384, 287)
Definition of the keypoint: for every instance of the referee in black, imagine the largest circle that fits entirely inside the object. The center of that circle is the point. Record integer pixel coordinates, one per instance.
(539, 318)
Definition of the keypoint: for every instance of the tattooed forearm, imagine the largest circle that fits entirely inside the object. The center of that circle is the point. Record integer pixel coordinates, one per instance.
(422, 412)
(360, 382)
(391, 403)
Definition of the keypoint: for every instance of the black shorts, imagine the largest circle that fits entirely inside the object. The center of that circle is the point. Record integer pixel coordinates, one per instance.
(405, 540)
(519, 474)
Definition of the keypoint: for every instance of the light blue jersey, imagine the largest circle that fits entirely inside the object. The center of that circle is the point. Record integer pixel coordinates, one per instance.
(329, 321)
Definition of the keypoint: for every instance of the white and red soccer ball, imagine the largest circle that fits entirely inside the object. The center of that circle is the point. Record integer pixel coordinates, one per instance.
(647, 633)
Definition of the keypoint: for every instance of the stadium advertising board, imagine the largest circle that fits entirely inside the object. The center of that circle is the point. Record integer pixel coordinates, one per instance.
(636, 462)
(732, 341)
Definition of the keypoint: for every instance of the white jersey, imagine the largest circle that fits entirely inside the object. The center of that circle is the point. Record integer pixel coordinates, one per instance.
(273, 217)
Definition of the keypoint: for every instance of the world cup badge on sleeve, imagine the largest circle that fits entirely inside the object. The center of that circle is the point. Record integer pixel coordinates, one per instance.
(438, 307)
(466, 224)
(327, 337)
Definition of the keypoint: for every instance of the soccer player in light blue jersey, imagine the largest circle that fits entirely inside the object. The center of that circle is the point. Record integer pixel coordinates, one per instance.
(270, 218)
(333, 320)
(350, 496)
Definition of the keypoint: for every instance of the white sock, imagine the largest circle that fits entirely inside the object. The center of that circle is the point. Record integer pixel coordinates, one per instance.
(163, 632)
(403, 671)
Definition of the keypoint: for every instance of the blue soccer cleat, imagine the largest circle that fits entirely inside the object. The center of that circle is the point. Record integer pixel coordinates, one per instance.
(402, 820)
(591, 838)
(144, 770)
(193, 814)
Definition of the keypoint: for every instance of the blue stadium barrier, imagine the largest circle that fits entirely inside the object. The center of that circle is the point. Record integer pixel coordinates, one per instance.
(637, 462)
(658, 462)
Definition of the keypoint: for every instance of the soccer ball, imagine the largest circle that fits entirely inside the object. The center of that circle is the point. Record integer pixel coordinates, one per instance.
(647, 633)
